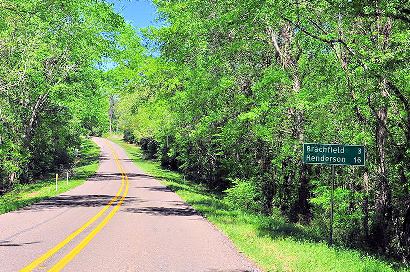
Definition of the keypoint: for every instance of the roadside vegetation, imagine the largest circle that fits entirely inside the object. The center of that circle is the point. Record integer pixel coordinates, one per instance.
(238, 87)
(226, 93)
(53, 91)
(271, 242)
(85, 166)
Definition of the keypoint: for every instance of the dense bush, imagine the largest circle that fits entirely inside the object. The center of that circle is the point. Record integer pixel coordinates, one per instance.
(243, 195)
(128, 136)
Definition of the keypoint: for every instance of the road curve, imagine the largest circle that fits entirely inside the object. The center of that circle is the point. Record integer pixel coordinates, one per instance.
(119, 220)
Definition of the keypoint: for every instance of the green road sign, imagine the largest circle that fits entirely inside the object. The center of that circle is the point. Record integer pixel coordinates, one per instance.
(334, 154)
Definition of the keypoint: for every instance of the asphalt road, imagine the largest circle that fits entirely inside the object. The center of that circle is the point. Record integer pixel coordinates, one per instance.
(119, 220)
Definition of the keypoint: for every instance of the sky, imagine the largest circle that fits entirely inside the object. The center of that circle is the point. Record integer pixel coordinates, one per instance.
(140, 13)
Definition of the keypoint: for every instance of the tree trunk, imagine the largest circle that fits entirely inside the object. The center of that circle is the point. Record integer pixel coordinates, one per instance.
(383, 207)
(285, 196)
(365, 206)
(33, 118)
(303, 206)
(111, 112)
(282, 43)
(406, 236)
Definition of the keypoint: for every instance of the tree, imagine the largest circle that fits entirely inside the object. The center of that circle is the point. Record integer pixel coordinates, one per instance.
(50, 83)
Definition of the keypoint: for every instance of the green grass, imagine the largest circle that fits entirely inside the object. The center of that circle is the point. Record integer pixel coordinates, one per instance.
(270, 242)
(26, 194)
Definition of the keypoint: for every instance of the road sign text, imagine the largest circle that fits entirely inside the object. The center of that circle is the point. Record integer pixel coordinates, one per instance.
(333, 154)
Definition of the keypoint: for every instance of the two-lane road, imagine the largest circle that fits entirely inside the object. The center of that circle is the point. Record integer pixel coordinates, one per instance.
(119, 220)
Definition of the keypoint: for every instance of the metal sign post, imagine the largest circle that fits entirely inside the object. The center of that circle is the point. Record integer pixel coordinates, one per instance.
(333, 154)
(332, 205)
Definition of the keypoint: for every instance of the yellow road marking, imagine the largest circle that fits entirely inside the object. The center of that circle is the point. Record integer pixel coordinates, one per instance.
(59, 246)
(67, 258)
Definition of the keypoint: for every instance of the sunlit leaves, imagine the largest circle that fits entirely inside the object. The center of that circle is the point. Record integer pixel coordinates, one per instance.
(51, 89)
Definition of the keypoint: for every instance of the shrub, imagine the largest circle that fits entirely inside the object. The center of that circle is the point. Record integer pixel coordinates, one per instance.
(243, 195)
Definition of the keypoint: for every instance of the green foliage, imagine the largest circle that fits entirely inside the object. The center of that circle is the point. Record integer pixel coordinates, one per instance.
(271, 242)
(52, 84)
(236, 90)
(25, 194)
(242, 196)
(239, 86)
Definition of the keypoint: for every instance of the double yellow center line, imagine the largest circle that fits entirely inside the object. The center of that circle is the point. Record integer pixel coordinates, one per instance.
(77, 249)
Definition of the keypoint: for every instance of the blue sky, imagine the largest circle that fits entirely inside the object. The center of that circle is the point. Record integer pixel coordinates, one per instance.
(140, 13)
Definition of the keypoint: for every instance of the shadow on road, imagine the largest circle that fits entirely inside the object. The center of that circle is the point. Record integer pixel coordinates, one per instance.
(162, 211)
(116, 176)
(64, 201)
(106, 177)
(156, 188)
(126, 160)
(136, 175)
(7, 243)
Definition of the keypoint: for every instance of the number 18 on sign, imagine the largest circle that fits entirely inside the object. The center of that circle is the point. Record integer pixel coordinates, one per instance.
(333, 154)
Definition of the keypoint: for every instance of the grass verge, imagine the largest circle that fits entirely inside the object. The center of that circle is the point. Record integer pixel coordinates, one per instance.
(26, 194)
(270, 242)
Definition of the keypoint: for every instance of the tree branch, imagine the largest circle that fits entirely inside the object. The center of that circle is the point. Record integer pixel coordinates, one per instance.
(34, 113)
(401, 17)
(397, 92)
(275, 43)
(331, 42)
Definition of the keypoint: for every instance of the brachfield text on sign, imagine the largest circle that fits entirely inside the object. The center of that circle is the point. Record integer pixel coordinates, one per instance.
(334, 154)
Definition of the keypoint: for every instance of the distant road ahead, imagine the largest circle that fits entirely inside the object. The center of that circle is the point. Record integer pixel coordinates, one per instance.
(120, 220)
